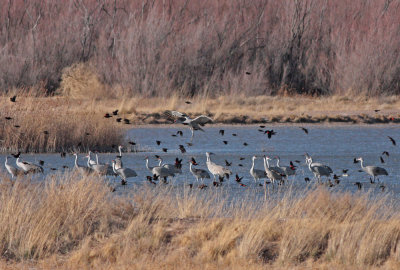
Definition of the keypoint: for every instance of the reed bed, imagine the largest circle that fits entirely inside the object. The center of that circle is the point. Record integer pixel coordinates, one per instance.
(70, 221)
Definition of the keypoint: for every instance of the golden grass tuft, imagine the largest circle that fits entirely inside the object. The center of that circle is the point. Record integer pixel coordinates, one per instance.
(69, 221)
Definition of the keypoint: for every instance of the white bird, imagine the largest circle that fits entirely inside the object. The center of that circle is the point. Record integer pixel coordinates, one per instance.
(91, 162)
(147, 164)
(124, 173)
(257, 174)
(162, 172)
(374, 171)
(11, 169)
(102, 169)
(272, 174)
(81, 169)
(28, 167)
(182, 118)
(118, 160)
(318, 169)
(287, 170)
(198, 173)
(216, 169)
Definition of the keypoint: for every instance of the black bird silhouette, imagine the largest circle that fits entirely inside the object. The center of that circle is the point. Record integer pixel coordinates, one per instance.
(53, 169)
(107, 115)
(376, 110)
(292, 166)
(216, 184)
(158, 142)
(240, 165)
(132, 143)
(358, 184)
(382, 187)
(178, 163)
(65, 167)
(355, 160)
(118, 120)
(179, 132)
(345, 170)
(123, 182)
(190, 185)
(41, 162)
(304, 129)
(189, 144)
(46, 132)
(245, 144)
(13, 98)
(297, 161)
(115, 112)
(17, 126)
(194, 161)
(234, 134)
(222, 132)
(385, 153)
(8, 118)
(336, 177)
(188, 102)
(392, 140)
(165, 150)
(227, 163)
(260, 130)
(270, 133)
(243, 185)
(16, 155)
(182, 148)
(242, 158)
(202, 186)
(63, 154)
(87, 133)
(225, 142)
(127, 121)
(237, 178)
(382, 160)
(262, 126)
(79, 144)
(173, 135)
(248, 73)
(307, 179)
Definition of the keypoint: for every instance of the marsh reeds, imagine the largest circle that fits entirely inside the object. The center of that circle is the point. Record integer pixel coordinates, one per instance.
(69, 221)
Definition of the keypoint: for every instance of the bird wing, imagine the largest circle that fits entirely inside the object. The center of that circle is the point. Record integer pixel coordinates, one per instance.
(202, 120)
(130, 173)
(173, 115)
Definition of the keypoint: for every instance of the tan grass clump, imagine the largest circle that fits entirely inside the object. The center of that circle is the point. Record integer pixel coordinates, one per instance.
(80, 81)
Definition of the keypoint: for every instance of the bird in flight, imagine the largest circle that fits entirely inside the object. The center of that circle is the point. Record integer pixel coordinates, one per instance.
(182, 118)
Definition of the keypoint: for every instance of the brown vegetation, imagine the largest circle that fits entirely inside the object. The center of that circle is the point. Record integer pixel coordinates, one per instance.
(205, 48)
(70, 221)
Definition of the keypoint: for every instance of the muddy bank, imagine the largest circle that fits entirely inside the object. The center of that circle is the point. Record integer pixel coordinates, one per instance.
(157, 118)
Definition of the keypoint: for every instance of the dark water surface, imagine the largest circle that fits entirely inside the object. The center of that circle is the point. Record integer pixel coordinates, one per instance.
(335, 146)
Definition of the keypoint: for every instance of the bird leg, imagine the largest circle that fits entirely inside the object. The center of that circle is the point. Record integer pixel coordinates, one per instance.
(191, 138)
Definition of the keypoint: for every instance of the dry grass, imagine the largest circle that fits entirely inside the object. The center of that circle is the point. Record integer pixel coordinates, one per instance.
(74, 222)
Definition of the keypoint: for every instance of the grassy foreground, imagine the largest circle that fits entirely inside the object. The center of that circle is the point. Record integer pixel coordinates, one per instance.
(74, 222)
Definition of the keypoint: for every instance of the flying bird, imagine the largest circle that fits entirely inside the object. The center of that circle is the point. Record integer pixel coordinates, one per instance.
(179, 132)
(222, 132)
(188, 102)
(392, 140)
(8, 118)
(107, 115)
(382, 160)
(182, 148)
(225, 142)
(158, 142)
(182, 118)
(385, 153)
(270, 133)
(115, 112)
(13, 98)
(305, 130)
(237, 178)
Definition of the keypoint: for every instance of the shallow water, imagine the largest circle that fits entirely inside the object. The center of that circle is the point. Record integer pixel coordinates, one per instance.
(335, 146)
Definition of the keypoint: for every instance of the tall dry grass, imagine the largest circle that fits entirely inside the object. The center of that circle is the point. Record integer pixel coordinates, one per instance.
(69, 221)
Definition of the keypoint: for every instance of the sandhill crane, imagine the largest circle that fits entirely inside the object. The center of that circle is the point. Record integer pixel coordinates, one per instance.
(216, 169)
(81, 169)
(272, 174)
(11, 169)
(147, 164)
(198, 173)
(182, 118)
(318, 169)
(91, 161)
(28, 167)
(257, 174)
(162, 172)
(118, 160)
(172, 167)
(374, 171)
(287, 170)
(124, 173)
(102, 169)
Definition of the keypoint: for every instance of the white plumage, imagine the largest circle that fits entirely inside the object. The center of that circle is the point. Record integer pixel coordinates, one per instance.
(216, 169)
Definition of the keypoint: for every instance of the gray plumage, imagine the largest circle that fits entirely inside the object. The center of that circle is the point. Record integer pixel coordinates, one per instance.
(199, 173)
(124, 173)
(11, 169)
(257, 174)
(374, 171)
(81, 169)
(28, 167)
(287, 171)
(271, 172)
(216, 169)
(318, 169)
(182, 118)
